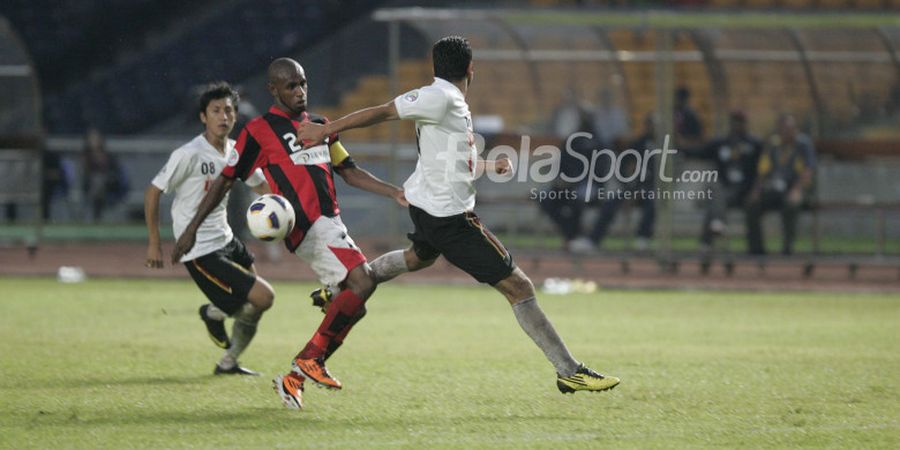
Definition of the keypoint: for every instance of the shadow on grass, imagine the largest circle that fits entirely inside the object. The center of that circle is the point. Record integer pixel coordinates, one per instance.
(277, 419)
(81, 417)
(162, 380)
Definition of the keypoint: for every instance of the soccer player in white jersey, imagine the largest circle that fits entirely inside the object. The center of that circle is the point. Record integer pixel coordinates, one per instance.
(441, 196)
(219, 263)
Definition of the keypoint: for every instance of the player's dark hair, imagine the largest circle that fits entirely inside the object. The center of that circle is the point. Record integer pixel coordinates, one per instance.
(451, 57)
(218, 90)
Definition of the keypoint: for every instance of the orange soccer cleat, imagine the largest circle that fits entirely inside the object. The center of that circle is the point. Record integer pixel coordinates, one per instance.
(290, 388)
(315, 370)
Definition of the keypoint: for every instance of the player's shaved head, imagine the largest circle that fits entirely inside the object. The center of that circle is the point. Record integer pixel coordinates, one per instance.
(283, 69)
(287, 84)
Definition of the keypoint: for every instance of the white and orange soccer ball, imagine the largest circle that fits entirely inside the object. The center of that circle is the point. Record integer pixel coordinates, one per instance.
(270, 217)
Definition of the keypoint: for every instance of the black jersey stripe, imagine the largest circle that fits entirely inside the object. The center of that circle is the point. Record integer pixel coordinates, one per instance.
(285, 187)
(281, 126)
(320, 181)
(248, 157)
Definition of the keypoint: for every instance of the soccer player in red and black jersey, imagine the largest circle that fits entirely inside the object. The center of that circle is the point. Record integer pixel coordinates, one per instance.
(304, 176)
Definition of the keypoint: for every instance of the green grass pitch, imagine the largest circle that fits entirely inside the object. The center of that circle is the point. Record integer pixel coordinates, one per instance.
(126, 363)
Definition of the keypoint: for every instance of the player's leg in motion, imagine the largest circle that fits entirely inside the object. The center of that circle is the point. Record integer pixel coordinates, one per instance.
(384, 268)
(347, 308)
(246, 320)
(571, 375)
(392, 264)
(214, 319)
(228, 279)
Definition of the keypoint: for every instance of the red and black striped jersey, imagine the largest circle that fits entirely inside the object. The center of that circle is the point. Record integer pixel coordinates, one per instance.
(302, 175)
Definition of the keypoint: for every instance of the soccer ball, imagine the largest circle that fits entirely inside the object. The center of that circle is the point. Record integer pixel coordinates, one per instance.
(270, 217)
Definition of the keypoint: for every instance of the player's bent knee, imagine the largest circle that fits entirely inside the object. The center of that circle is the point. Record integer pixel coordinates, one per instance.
(261, 295)
(413, 262)
(420, 264)
(516, 287)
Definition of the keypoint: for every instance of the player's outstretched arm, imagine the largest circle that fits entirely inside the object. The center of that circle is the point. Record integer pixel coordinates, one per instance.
(315, 132)
(363, 179)
(151, 217)
(213, 197)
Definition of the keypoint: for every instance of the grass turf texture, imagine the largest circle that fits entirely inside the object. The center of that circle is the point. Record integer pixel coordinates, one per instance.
(118, 364)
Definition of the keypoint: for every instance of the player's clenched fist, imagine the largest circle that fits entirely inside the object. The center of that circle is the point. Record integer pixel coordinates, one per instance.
(311, 132)
(503, 166)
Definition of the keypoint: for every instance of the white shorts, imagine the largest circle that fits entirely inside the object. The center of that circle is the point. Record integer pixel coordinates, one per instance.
(330, 251)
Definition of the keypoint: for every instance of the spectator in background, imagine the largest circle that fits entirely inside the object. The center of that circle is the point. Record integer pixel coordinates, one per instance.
(104, 182)
(686, 122)
(610, 120)
(784, 179)
(56, 181)
(567, 116)
(613, 197)
(565, 203)
(736, 156)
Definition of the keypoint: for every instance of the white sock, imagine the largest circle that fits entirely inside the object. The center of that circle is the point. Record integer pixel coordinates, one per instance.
(242, 332)
(532, 319)
(388, 266)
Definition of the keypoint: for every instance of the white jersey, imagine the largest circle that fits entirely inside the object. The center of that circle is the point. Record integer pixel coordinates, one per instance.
(190, 171)
(443, 182)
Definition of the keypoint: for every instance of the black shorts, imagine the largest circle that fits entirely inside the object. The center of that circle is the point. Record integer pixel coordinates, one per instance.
(224, 275)
(464, 241)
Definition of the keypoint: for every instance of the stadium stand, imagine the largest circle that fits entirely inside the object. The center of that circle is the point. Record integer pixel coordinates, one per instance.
(91, 75)
(845, 78)
(70, 40)
(159, 81)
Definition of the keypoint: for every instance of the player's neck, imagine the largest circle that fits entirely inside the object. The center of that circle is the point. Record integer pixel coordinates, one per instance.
(462, 85)
(217, 142)
(288, 111)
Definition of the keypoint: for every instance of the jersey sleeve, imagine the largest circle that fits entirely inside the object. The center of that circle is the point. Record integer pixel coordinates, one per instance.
(245, 159)
(424, 104)
(173, 173)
